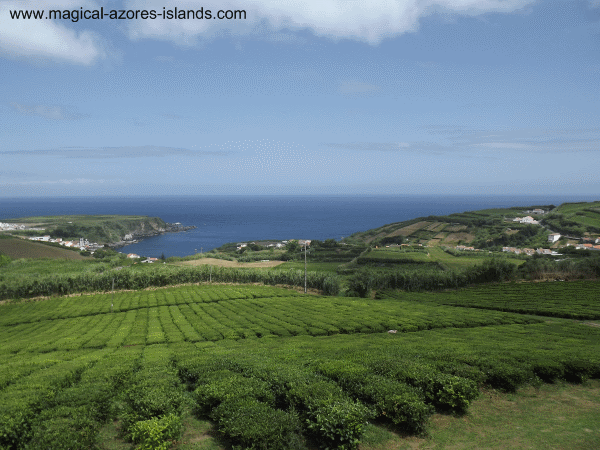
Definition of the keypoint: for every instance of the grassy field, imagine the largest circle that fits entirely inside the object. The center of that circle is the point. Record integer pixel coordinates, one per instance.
(575, 219)
(559, 417)
(228, 364)
(227, 263)
(315, 266)
(431, 255)
(17, 248)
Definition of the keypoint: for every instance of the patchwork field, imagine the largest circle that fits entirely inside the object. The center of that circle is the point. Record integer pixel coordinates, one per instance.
(410, 229)
(429, 255)
(265, 367)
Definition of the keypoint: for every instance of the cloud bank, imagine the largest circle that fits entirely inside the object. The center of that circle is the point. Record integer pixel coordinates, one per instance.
(369, 22)
(51, 112)
(142, 151)
(75, 43)
(48, 39)
(460, 139)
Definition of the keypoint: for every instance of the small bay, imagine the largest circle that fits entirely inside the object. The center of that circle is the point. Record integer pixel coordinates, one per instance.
(222, 219)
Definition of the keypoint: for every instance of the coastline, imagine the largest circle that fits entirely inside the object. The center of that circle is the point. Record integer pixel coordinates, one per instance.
(138, 237)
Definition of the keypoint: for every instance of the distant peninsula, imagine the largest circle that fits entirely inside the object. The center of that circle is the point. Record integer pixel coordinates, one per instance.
(90, 231)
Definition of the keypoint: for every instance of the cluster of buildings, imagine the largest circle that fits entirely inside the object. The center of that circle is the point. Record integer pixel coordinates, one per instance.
(81, 244)
(588, 246)
(273, 244)
(530, 251)
(11, 226)
(147, 260)
(527, 219)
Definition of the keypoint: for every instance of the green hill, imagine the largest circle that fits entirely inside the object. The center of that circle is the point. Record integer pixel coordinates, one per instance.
(577, 219)
(103, 229)
(489, 229)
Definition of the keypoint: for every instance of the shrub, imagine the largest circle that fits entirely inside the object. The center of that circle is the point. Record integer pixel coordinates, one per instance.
(227, 386)
(507, 378)
(549, 370)
(252, 424)
(156, 433)
(400, 403)
(150, 399)
(64, 428)
(339, 424)
(578, 370)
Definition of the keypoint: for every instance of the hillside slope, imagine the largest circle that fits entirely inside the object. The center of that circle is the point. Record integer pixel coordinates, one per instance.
(489, 229)
(16, 248)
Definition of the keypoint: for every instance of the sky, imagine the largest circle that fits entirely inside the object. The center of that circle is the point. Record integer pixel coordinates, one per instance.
(475, 97)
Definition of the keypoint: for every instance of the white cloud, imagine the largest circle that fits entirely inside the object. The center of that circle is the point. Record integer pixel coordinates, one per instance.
(64, 181)
(494, 142)
(48, 39)
(357, 88)
(508, 145)
(354, 19)
(46, 111)
(374, 146)
(373, 21)
(142, 151)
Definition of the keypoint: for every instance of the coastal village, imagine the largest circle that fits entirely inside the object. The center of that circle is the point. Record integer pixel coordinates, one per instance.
(530, 217)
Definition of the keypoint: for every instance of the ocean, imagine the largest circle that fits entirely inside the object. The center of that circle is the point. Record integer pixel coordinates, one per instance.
(222, 219)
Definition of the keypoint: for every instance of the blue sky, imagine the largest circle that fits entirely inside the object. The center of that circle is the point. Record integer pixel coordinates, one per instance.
(303, 97)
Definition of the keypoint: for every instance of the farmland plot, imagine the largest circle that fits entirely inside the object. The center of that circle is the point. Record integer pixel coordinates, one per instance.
(256, 359)
(574, 300)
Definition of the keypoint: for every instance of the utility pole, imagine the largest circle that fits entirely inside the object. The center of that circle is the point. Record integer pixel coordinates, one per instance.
(112, 300)
(305, 266)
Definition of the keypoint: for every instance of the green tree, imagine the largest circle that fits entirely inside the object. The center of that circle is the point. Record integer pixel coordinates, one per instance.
(292, 246)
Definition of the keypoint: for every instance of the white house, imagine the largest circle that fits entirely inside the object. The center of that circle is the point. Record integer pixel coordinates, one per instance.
(553, 237)
(527, 219)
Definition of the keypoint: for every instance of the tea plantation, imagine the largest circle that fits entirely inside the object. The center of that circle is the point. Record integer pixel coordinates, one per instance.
(275, 369)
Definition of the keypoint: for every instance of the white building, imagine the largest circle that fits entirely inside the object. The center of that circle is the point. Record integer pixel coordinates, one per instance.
(553, 237)
(527, 219)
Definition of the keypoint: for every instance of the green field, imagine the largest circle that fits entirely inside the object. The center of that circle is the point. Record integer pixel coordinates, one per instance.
(16, 248)
(391, 256)
(270, 368)
(575, 300)
(577, 217)
(312, 266)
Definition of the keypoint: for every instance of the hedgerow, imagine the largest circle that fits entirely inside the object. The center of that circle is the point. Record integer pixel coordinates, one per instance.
(130, 278)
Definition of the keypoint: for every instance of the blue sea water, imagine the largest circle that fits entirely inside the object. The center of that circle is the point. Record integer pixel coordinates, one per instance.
(222, 219)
